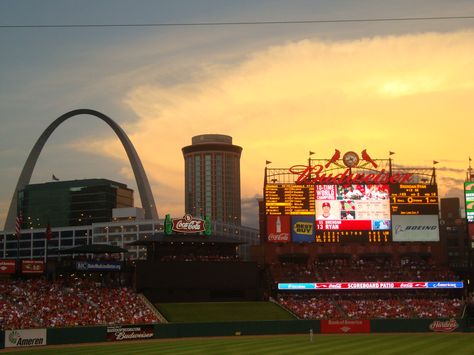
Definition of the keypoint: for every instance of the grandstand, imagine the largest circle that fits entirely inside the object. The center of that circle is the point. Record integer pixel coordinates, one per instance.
(37, 303)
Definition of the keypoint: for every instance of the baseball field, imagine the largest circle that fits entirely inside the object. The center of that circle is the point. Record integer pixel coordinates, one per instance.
(423, 343)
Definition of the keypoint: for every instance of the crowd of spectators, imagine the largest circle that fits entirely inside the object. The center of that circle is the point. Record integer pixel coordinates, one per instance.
(361, 270)
(366, 305)
(305, 307)
(369, 306)
(34, 303)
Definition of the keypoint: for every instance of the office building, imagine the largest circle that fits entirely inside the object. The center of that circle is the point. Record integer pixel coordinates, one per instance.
(72, 203)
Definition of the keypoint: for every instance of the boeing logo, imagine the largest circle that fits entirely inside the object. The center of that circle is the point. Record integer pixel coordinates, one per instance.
(400, 228)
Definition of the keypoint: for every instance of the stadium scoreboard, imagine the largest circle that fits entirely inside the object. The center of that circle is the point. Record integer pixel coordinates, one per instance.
(414, 199)
(370, 213)
(289, 199)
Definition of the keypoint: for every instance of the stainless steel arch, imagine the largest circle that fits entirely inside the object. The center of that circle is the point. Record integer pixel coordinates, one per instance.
(141, 179)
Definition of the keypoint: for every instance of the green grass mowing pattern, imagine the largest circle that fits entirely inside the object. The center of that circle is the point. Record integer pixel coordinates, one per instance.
(222, 311)
(380, 344)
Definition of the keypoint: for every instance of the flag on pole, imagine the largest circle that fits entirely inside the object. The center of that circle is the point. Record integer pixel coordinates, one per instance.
(268, 162)
(435, 162)
(55, 178)
(311, 153)
(49, 234)
(391, 153)
(19, 222)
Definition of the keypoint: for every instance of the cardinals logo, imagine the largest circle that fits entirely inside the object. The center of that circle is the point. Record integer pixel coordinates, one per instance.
(368, 159)
(351, 159)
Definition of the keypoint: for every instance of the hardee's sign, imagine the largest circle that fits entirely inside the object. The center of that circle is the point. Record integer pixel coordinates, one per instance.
(314, 175)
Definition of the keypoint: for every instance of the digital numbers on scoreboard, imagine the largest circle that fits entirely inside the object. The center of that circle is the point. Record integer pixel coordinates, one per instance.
(414, 199)
(289, 199)
(353, 236)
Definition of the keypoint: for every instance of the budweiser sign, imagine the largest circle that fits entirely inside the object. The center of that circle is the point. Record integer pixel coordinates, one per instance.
(314, 174)
(444, 326)
(136, 332)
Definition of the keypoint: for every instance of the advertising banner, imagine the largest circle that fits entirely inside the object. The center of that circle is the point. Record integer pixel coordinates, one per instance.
(444, 326)
(278, 229)
(469, 195)
(419, 228)
(345, 326)
(98, 265)
(302, 229)
(25, 337)
(7, 266)
(32, 266)
(371, 285)
(130, 332)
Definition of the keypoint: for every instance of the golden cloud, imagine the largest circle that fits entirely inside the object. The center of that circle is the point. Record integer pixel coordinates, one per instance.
(410, 94)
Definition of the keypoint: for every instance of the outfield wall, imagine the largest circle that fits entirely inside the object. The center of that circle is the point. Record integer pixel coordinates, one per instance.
(56, 336)
(178, 330)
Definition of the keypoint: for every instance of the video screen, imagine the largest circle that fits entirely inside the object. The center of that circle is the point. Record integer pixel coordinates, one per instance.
(352, 207)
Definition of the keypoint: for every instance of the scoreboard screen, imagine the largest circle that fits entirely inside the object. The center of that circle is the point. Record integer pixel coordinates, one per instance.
(414, 199)
(352, 207)
(289, 199)
(375, 213)
(415, 213)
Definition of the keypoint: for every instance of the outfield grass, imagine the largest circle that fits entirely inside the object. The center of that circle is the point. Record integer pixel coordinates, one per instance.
(222, 311)
(380, 344)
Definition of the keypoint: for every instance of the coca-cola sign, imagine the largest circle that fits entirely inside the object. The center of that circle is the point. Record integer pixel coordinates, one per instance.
(135, 332)
(444, 326)
(188, 224)
(278, 229)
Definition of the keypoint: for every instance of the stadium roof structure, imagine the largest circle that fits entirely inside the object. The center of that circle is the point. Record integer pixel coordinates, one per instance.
(94, 249)
(162, 238)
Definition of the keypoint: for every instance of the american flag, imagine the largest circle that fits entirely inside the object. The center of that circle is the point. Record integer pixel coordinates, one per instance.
(19, 222)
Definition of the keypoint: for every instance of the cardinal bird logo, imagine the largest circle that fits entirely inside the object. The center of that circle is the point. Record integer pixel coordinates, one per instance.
(335, 157)
(367, 158)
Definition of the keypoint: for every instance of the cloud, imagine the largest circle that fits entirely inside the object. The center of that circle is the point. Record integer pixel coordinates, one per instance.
(410, 94)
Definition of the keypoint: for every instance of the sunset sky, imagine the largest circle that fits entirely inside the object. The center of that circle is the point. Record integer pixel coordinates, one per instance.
(279, 90)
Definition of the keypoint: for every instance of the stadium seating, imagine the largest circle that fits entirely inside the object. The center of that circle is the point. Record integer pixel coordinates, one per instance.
(366, 305)
(370, 306)
(36, 303)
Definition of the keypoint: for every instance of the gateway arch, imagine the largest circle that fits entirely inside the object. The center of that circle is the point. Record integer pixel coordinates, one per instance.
(148, 202)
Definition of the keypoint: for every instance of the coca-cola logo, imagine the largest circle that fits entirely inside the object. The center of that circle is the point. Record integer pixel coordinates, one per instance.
(279, 237)
(188, 224)
(444, 326)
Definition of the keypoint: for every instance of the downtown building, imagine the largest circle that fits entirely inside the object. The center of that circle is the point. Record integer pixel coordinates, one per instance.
(72, 203)
(212, 178)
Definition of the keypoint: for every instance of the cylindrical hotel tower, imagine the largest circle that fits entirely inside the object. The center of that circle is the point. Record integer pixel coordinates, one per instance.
(212, 178)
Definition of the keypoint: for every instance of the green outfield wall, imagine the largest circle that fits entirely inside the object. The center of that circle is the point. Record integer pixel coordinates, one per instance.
(76, 335)
(178, 330)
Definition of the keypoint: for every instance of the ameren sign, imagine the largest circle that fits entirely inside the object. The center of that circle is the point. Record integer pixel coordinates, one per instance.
(313, 174)
(24, 338)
